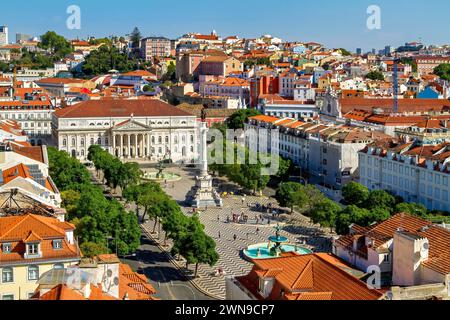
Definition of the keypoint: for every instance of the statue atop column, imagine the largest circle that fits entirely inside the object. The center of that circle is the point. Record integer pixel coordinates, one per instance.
(203, 114)
(203, 193)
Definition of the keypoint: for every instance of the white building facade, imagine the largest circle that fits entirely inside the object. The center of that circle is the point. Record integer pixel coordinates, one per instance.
(146, 130)
(416, 173)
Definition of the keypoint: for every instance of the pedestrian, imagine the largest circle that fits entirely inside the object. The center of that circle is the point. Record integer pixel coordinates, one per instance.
(246, 235)
(257, 231)
(219, 234)
(218, 218)
(235, 237)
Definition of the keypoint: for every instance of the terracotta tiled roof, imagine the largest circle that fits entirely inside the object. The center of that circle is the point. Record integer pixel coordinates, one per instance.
(60, 81)
(196, 110)
(120, 108)
(438, 237)
(311, 274)
(263, 118)
(405, 105)
(139, 73)
(18, 230)
(12, 173)
(35, 153)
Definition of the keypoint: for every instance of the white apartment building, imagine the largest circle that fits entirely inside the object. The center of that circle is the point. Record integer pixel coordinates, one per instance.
(417, 173)
(4, 36)
(329, 153)
(146, 130)
(231, 87)
(287, 84)
(276, 106)
(33, 116)
(304, 92)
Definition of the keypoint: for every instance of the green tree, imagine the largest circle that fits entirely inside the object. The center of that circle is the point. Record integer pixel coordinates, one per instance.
(379, 214)
(325, 213)
(411, 208)
(70, 201)
(130, 173)
(410, 61)
(135, 39)
(104, 59)
(285, 168)
(313, 195)
(352, 214)
(170, 75)
(67, 173)
(355, 193)
(237, 120)
(92, 249)
(375, 75)
(148, 88)
(443, 71)
(345, 52)
(195, 246)
(380, 199)
(56, 44)
(290, 194)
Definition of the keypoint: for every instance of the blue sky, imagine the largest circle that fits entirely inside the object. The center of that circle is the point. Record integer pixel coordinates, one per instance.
(335, 23)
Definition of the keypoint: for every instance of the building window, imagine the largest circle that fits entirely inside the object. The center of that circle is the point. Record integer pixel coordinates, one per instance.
(6, 248)
(64, 142)
(7, 275)
(33, 273)
(7, 297)
(57, 244)
(82, 142)
(33, 249)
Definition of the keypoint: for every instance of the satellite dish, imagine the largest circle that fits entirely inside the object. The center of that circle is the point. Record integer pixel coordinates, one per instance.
(424, 251)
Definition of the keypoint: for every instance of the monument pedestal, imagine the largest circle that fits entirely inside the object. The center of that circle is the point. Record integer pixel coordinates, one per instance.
(203, 193)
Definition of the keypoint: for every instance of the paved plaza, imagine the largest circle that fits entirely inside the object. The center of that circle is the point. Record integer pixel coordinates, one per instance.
(298, 229)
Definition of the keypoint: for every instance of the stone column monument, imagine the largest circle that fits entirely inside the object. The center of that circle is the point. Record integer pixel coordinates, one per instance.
(204, 194)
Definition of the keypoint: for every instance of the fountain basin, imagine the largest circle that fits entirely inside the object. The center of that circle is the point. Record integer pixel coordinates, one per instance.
(251, 253)
(166, 176)
(279, 239)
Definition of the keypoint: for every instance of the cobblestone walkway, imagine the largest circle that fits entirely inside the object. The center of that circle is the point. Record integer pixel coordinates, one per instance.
(230, 251)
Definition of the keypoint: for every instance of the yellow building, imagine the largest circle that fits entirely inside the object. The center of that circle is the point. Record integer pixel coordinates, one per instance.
(31, 245)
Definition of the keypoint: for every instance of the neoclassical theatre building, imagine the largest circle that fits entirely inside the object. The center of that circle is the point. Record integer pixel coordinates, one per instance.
(146, 130)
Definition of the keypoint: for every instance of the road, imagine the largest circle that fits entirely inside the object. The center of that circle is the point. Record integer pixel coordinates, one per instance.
(156, 266)
(164, 277)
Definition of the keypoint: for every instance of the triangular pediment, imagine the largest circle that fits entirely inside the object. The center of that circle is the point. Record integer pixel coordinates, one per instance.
(130, 125)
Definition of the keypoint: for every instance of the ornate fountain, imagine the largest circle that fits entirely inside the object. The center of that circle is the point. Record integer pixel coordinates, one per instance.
(275, 248)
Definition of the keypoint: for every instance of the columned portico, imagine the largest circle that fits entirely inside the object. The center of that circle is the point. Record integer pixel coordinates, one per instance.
(132, 130)
(131, 145)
